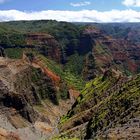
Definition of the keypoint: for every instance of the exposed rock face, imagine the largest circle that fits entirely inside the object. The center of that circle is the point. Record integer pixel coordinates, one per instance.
(5, 135)
(46, 44)
(23, 86)
(28, 100)
(118, 54)
(2, 53)
(38, 64)
(11, 97)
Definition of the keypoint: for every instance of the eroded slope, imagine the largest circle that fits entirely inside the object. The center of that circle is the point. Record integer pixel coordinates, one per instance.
(107, 108)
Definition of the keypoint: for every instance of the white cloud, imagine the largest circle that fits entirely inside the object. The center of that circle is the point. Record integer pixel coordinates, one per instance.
(131, 3)
(2, 1)
(85, 3)
(73, 16)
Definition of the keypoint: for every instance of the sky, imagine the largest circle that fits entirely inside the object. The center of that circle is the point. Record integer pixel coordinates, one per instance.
(71, 10)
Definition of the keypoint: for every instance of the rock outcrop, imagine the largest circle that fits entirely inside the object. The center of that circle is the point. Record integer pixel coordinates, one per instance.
(46, 44)
(23, 86)
(28, 100)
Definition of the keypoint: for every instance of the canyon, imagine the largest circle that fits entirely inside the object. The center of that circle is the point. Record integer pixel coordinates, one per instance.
(62, 80)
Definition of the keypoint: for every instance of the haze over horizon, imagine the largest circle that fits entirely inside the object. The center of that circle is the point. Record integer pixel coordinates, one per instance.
(71, 10)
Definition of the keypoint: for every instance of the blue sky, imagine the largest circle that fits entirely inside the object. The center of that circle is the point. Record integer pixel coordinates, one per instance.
(77, 10)
(34, 5)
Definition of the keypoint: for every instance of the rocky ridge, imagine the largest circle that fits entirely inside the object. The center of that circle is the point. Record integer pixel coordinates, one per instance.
(28, 101)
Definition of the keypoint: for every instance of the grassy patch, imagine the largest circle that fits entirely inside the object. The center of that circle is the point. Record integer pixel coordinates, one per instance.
(14, 53)
(73, 81)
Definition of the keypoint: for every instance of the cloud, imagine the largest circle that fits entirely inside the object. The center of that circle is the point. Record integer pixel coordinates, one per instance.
(73, 16)
(131, 3)
(2, 1)
(85, 3)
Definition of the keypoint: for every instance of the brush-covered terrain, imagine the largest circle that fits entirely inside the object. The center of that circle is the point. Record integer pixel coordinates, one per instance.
(108, 108)
(62, 80)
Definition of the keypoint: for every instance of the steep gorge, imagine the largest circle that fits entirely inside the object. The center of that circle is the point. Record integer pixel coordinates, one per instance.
(43, 71)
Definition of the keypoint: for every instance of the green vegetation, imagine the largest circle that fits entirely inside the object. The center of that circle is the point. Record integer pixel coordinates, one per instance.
(14, 53)
(91, 95)
(43, 86)
(90, 67)
(105, 102)
(14, 33)
(12, 39)
(73, 81)
(75, 64)
(122, 101)
(63, 91)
